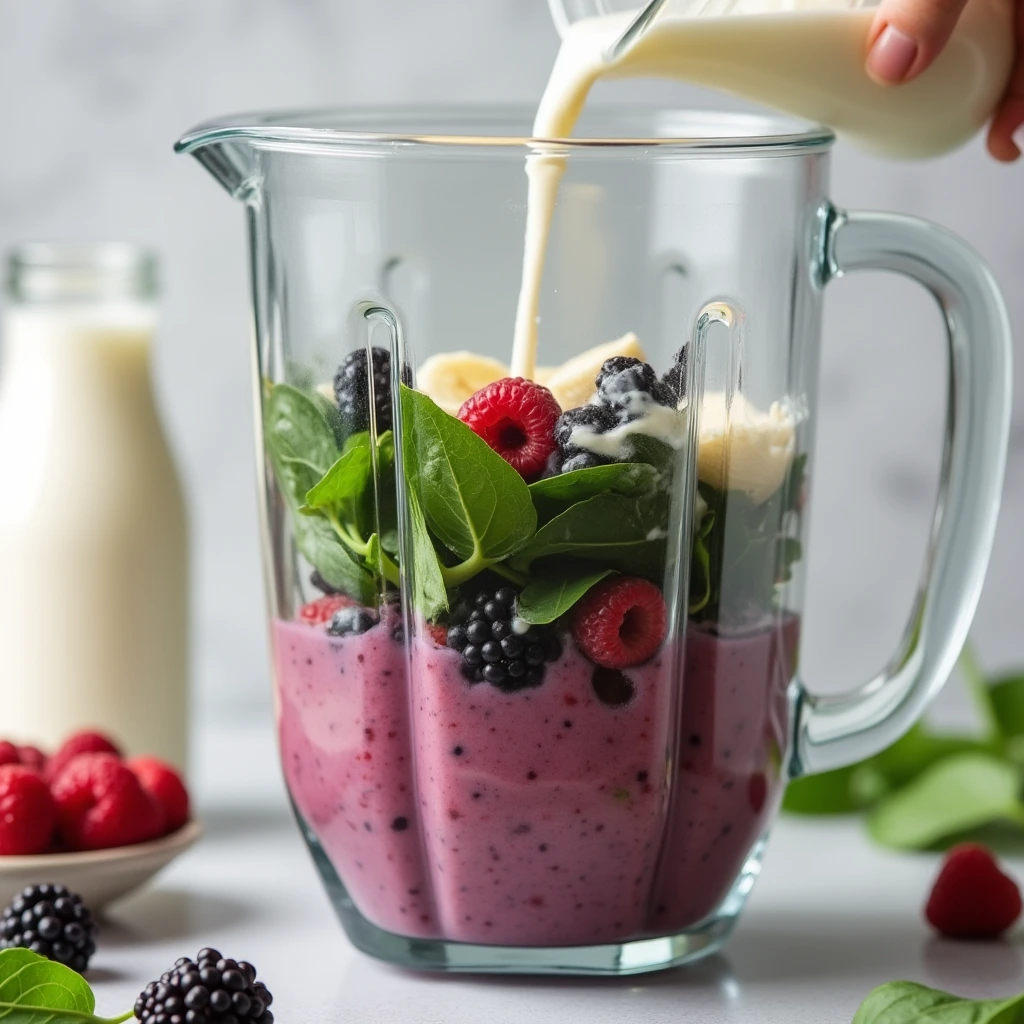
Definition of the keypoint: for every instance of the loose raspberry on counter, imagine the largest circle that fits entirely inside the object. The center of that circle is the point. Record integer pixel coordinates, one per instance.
(516, 417)
(9, 753)
(163, 783)
(101, 804)
(32, 757)
(28, 816)
(972, 898)
(621, 622)
(322, 610)
(52, 922)
(85, 742)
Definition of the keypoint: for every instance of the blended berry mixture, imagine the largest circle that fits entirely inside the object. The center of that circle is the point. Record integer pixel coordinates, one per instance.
(550, 816)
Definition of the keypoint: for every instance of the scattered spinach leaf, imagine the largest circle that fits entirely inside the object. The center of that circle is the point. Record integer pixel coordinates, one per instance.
(906, 1002)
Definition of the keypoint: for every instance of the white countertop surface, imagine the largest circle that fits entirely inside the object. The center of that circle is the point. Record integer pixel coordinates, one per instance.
(831, 917)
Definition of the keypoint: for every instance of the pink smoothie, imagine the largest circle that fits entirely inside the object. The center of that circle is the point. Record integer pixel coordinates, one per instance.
(544, 817)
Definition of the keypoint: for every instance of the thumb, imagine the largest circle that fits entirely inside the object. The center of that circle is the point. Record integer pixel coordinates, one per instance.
(907, 35)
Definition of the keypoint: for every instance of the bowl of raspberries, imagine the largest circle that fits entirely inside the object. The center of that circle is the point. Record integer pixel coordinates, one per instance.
(87, 817)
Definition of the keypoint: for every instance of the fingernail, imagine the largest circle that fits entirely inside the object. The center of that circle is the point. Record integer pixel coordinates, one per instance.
(892, 55)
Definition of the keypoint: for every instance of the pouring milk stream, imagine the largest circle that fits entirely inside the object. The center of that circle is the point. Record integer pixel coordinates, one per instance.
(805, 59)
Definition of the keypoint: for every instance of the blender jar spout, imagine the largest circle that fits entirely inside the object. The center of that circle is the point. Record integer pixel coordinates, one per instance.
(227, 155)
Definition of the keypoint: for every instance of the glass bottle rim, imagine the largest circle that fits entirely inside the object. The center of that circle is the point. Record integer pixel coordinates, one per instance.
(81, 272)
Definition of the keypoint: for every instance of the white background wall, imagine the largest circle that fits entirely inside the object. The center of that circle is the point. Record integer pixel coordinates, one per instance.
(94, 92)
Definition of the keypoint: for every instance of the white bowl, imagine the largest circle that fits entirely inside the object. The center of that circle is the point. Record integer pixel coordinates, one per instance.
(98, 876)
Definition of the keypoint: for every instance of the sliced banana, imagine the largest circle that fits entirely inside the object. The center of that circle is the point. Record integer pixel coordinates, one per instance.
(573, 382)
(327, 390)
(743, 448)
(449, 378)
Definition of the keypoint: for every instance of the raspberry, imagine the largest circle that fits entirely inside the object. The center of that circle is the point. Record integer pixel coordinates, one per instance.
(972, 898)
(212, 990)
(516, 417)
(28, 816)
(165, 786)
(9, 753)
(620, 622)
(32, 757)
(437, 633)
(80, 743)
(101, 804)
(322, 610)
(51, 922)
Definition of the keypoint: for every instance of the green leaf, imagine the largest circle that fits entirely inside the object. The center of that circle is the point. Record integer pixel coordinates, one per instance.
(386, 496)
(557, 493)
(700, 566)
(906, 1002)
(543, 601)
(473, 500)
(34, 990)
(298, 439)
(345, 482)
(321, 547)
(962, 792)
(429, 594)
(649, 450)
(1007, 698)
(610, 529)
(828, 793)
(918, 750)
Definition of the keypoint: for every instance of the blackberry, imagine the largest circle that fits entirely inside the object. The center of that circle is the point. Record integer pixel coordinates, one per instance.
(627, 386)
(596, 418)
(583, 460)
(675, 378)
(352, 390)
(50, 921)
(350, 621)
(493, 648)
(212, 990)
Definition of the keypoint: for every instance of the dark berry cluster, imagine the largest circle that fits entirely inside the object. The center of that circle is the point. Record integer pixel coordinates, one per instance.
(352, 389)
(496, 649)
(52, 922)
(626, 389)
(213, 990)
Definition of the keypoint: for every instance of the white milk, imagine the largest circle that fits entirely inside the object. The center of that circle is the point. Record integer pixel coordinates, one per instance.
(93, 553)
(806, 62)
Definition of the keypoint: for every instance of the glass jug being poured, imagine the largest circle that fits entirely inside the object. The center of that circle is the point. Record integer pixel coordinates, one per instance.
(802, 57)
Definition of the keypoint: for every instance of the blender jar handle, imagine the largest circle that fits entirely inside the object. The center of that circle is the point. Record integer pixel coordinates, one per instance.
(830, 732)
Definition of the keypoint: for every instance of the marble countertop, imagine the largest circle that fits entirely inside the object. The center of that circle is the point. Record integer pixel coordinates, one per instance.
(831, 917)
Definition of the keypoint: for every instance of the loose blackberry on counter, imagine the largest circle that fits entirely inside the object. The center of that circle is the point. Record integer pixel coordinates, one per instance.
(352, 390)
(497, 648)
(211, 990)
(50, 921)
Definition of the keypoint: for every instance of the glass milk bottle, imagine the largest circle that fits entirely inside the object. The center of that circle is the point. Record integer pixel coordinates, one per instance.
(93, 537)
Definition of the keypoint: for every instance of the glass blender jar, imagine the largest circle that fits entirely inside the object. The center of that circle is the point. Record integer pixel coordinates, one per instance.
(541, 721)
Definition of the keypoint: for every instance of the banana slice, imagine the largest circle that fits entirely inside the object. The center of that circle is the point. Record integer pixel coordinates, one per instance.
(327, 390)
(449, 378)
(573, 382)
(743, 448)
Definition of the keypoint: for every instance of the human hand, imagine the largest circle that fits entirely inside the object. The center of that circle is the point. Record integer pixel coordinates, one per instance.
(907, 36)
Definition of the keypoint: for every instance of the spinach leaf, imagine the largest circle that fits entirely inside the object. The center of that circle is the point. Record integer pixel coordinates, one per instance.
(429, 594)
(700, 565)
(319, 544)
(1007, 698)
(616, 531)
(345, 482)
(906, 1002)
(543, 601)
(649, 450)
(34, 990)
(297, 433)
(386, 495)
(831, 792)
(472, 499)
(958, 793)
(557, 493)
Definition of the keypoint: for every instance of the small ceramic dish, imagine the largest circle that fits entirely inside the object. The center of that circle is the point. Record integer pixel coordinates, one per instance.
(98, 876)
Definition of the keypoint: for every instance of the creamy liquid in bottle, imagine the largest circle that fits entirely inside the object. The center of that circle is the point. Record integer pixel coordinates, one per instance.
(806, 62)
(93, 545)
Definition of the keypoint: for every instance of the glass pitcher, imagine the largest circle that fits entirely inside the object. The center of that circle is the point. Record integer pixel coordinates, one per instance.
(536, 646)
